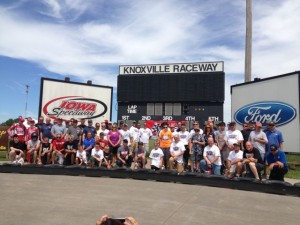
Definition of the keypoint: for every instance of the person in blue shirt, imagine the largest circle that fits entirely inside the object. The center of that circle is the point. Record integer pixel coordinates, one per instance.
(274, 136)
(88, 143)
(277, 163)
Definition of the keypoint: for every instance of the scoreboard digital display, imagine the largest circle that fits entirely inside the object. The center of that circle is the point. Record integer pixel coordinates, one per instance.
(186, 91)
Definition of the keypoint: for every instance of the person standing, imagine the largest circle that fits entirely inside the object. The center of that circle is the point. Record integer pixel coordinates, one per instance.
(274, 136)
(18, 129)
(75, 131)
(114, 139)
(145, 134)
(165, 139)
(184, 136)
(59, 128)
(45, 130)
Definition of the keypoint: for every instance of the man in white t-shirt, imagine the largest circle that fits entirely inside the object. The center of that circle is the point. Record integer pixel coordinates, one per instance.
(134, 131)
(145, 133)
(176, 154)
(184, 137)
(234, 158)
(259, 139)
(156, 156)
(211, 161)
(232, 135)
(125, 133)
(97, 155)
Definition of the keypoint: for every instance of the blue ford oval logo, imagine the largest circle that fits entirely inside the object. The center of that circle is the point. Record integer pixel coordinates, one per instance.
(279, 112)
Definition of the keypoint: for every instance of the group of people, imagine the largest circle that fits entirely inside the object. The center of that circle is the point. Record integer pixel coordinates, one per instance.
(220, 150)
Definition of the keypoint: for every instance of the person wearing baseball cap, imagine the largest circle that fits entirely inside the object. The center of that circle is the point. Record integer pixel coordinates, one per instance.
(89, 128)
(277, 163)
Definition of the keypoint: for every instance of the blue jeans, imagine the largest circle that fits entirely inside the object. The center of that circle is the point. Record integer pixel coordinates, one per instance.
(216, 169)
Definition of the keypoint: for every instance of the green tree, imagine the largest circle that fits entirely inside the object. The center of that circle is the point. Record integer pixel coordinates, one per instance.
(10, 122)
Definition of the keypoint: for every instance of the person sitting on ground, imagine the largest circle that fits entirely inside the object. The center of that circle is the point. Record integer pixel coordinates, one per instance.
(235, 157)
(107, 157)
(81, 159)
(124, 155)
(97, 155)
(156, 156)
(45, 151)
(196, 144)
(140, 156)
(17, 148)
(176, 154)
(253, 161)
(33, 147)
(277, 163)
(211, 161)
(58, 149)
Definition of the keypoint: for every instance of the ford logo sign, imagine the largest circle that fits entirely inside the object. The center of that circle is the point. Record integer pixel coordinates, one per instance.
(279, 112)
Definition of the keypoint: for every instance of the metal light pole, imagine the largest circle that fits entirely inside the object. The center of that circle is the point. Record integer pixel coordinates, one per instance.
(248, 52)
(27, 91)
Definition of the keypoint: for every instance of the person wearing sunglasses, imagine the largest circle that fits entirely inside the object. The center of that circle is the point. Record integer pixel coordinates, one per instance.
(274, 136)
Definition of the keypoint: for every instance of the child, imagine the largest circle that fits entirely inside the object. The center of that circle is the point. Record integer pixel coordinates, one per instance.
(81, 156)
(156, 156)
(106, 157)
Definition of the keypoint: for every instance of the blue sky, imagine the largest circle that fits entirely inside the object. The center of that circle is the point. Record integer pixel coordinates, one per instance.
(89, 39)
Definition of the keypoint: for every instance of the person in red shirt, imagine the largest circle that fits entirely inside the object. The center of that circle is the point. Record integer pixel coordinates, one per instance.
(102, 142)
(32, 129)
(18, 129)
(58, 149)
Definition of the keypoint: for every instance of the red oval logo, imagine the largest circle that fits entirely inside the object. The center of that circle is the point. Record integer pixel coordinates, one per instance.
(79, 107)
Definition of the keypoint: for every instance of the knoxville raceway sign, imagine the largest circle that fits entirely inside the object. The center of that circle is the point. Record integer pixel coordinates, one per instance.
(78, 107)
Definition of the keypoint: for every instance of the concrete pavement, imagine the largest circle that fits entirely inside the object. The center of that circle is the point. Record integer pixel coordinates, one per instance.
(68, 200)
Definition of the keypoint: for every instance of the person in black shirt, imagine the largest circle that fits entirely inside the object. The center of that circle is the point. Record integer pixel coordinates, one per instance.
(70, 148)
(252, 160)
(16, 147)
(107, 157)
(45, 151)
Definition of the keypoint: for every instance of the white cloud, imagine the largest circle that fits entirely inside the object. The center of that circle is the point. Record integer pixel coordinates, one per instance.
(132, 32)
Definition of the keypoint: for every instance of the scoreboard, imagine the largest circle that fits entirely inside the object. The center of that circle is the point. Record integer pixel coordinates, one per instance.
(189, 91)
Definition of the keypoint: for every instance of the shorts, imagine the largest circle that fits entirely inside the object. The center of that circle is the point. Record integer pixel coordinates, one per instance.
(224, 154)
(113, 150)
(196, 155)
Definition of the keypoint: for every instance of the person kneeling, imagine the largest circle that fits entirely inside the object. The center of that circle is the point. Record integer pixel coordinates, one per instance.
(277, 163)
(97, 155)
(177, 149)
(156, 156)
(211, 162)
(124, 156)
(140, 156)
(81, 156)
(235, 157)
(252, 162)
